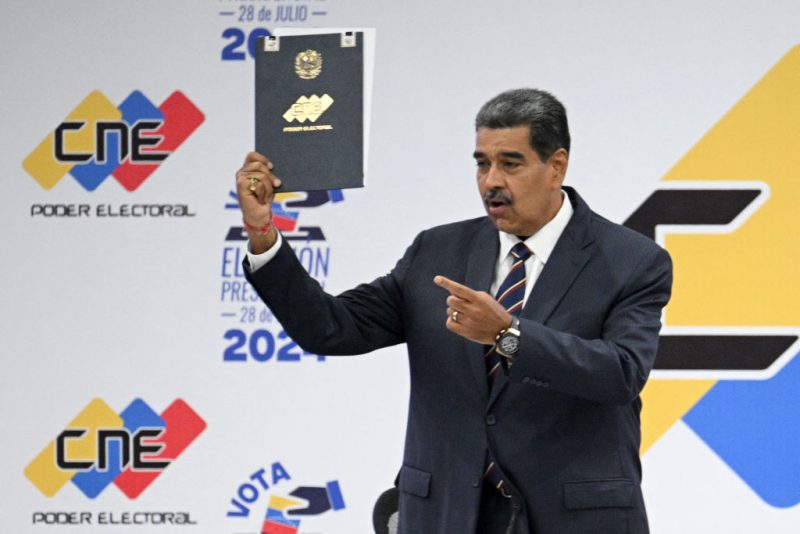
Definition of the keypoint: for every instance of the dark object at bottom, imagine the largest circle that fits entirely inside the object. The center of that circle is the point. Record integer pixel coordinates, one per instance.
(385, 512)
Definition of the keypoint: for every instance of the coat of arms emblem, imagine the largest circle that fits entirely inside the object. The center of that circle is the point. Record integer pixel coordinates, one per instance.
(308, 64)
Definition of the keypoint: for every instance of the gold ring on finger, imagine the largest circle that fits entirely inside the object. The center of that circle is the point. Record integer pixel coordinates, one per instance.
(454, 317)
(253, 183)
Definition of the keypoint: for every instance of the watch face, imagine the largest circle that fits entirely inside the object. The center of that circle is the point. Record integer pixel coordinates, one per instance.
(509, 344)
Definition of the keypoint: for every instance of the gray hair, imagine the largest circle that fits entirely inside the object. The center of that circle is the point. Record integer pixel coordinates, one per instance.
(539, 110)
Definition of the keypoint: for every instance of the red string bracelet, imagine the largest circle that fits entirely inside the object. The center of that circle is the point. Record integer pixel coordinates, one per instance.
(260, 230)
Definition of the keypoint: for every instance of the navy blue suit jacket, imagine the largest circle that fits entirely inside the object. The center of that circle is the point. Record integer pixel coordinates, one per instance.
(563, 423)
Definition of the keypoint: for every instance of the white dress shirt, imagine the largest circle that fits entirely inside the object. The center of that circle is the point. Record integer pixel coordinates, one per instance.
(541, 244)
(259, 260)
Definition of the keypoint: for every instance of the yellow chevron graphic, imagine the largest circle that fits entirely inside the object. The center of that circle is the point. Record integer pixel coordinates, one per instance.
(739, 278)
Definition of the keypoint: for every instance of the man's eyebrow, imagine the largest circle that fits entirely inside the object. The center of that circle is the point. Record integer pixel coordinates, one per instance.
(508, 154)
(513, 154)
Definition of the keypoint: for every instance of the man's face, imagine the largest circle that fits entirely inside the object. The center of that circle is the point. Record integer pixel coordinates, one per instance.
(520, 192)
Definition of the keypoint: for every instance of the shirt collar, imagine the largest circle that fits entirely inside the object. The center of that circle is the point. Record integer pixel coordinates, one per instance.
(544, 241)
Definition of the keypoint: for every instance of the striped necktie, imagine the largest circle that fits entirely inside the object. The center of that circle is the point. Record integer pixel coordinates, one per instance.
(511, 294)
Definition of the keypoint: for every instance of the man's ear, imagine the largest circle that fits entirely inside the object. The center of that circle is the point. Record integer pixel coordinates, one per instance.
(558, 163)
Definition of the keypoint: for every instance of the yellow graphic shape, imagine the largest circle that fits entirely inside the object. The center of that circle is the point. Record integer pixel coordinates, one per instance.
(283, 197)
(276, 502)
(308, 109)
(666, 401)
(43, 471)
(42, 164)
(739, 278)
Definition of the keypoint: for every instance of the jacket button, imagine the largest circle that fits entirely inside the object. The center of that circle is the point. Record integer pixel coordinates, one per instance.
(526, 379)
(491, 419)
(476, 482)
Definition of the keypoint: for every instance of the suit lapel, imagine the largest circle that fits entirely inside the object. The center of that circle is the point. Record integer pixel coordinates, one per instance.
(479, 273)
(568, 258)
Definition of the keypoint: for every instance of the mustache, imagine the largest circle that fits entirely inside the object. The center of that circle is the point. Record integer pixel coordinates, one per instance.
(497, 195)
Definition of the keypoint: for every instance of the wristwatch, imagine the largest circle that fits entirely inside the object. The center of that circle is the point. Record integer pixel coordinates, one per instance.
(507, 341)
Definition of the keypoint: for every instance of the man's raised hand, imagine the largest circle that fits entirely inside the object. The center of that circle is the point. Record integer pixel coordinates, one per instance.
(255, 187)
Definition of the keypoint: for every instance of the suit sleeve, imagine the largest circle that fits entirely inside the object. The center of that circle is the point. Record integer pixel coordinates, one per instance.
(614, 368)
(357, 321)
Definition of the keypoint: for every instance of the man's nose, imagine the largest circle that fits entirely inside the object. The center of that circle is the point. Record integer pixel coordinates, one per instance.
(494, 178)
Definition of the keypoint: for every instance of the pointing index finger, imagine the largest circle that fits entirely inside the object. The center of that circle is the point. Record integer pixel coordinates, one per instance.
(454, 288)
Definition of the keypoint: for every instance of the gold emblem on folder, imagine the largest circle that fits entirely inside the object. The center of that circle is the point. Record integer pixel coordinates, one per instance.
(308, 108)
(308, 64)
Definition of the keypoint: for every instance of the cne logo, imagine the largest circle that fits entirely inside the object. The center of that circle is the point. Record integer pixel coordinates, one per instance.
(99, 139)
(308, 108)
(130, 449)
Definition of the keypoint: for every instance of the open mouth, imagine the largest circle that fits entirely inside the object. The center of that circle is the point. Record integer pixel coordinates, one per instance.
(496, 207)
(496, 201)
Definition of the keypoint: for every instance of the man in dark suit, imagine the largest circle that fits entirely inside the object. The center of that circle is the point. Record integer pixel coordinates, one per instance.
(530, 334)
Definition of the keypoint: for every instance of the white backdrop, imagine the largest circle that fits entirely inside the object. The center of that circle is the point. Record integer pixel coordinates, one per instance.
(120, 308)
